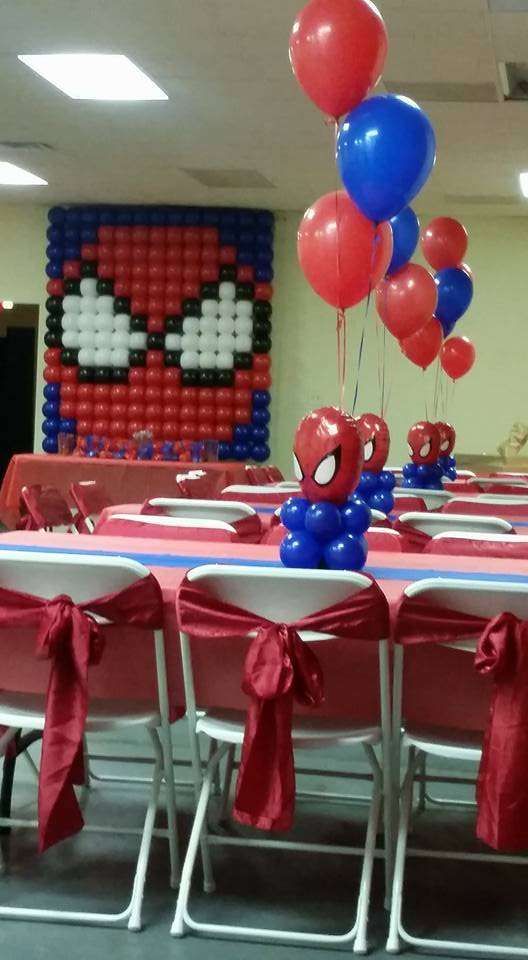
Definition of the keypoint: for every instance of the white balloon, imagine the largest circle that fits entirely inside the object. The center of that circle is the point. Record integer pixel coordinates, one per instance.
(86, 357)
(244, 308)
(121, 321)
(224, 360)
(243, 343)
(190, 341)
(243, 325)
(226, 325)
(120, 339)
(71, 304)
(104, 321)
(103, 357)
(70, 339)
(103, 339)
(119, 358)
(105, 305)
(208, 342)
(191, 324)
(70, 321)
(209, 308)
(88, 305)
(207, 324)
(227, 308)
(88, 287)
(189, 360)
(138, 340)
(87, 321)
(87, 339)
(226, 343)
(227, 290)
(208, 360)
(173, 341)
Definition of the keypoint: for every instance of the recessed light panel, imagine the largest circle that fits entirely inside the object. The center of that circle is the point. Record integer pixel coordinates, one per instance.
(94, 76)
(13, 176)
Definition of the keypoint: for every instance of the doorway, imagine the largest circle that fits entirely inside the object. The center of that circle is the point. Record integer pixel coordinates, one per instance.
(18, 356)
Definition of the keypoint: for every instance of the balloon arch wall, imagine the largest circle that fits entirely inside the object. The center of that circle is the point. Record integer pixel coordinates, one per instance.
(158, 324)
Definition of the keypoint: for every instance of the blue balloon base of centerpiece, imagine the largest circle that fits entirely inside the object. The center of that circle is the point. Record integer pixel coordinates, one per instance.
(448, 465)
(376, 489)
(324, 535)
(423, 476)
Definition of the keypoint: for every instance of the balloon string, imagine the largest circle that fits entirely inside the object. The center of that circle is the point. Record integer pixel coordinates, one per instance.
(383, 364)
(436, 388)
(341, 355)
(365, 317)
(425, 395)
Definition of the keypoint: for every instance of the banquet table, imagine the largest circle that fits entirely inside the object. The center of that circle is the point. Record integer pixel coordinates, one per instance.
(122, 479)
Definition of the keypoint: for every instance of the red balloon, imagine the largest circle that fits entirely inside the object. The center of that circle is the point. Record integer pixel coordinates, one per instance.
(174, 256)
(84, 409)
(136, 375)
(341, 253)
(188, 412)
(119, 392)
(84, 427)
(84, 391)
(206, 431)
(69, 391)
(224, 431)
(263, 291)
(134, 426)
(72, 269)
(136, 411)
(123, 234)
(156, 323)
(189, 396)
(192, 253)
(154, 411)
(242, 397)
(118, 428)
(52, 356)
(119, 411)
(55, 287)
(122, 253)
(242, 414)
(192, 235)
(171, 430)
(227, 254)
(139, 253)
(171, 411)
(337, 52)
(137, 393)
(245, 274)
(206, 395)
(171, 394)
(105, 269)
(155, 428)
(191, 272)
(209, 273)
(158, 236)
(154, 374)
(153, 393)
(69, 374)
(191, 290)
(155, 359)
(225, 397)
(224, 414)
(101, 428)
(189, 430)
(106, 234)
(102, 391)
(261, 361)
(68, 408)
(376, 441)
(424, 442)
(444, 242)
(210, 254)
(206, 412)
(328, 455)
(406, 300)
(101, 410)
(261, 381)
(457, 356)
(424, 346)
(174, 235)
(447, 438)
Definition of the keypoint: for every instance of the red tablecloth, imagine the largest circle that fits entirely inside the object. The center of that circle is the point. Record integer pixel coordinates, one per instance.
(122, 479)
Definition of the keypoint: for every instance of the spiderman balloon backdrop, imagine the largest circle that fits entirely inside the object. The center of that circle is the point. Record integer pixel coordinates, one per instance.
(424, 471)
(327, 524)
(376, 484)
(447, 445)
(159, 320)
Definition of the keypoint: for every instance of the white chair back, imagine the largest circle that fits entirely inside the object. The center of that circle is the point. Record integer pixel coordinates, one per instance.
(504, 482)
(510, 499)
(378, 515)
(433, 523)
(82, 577)
(465, 474)
(481, 537)
(241, 489)
(162, 521)
(431, 498)
(226, 510)
(483, 598)
(287, 485)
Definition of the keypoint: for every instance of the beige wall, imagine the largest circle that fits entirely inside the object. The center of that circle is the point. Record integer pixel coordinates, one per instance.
(485, 403)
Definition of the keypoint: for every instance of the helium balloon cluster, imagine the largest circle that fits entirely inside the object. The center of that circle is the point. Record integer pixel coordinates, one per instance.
(159, 319)
(375, 484)
(327, 524)
(430, 449)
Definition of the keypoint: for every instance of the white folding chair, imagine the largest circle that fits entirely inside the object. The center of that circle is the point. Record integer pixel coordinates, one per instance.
(485, 482)
(483, 599)
(226, 510)
(510, 499)
(432, 498)
(250, 494)
(460, 536)
(180, 525)
(283, 595)
(466, 475)
(434, 523)
(83, 577)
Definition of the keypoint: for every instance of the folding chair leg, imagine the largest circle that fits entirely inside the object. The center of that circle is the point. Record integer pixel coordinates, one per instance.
(422, 785)
(228, 776)
(393, 940)
(170, 794)
(136, 902)
(360, 941)
(196, 837)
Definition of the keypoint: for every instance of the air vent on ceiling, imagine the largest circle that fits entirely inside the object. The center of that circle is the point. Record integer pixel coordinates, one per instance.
(24, 145)
(233, 179)
(477, 199)
(514, 80)
(445, 92)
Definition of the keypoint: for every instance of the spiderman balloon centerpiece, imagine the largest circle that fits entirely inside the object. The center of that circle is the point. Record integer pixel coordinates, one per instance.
(447, 443)
(327, 524)
(424, 471)
(375, 484)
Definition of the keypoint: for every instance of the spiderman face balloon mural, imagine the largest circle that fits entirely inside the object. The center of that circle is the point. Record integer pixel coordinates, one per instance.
(376, 441)
(424, 443)
(328, 455)
(447, 438)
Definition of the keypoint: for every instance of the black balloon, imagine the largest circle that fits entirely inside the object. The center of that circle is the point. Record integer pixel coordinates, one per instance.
(54, 324)
(138, 323)
(190, 378)
(52, 339)
(243, 361)
(120, 375)
(245, 291)
(262, 309)
(209, 291)
(102, 374)
(172, 358)
(207, 378)
(261, 328)
(122, 305)
(69, 357)
(225, 378)
(174, 323)
(191, 307)
(54, 306)
(228, 272)
(261, 345)
(72, 287)
(88, 268)
(105, 288)
(138, 358)
(155, 341)
(85, 374)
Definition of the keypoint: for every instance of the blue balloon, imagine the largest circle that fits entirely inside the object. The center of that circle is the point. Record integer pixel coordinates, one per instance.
(72, 253)
(54, 234)
(50, 426)
(260, 434)
(447, 326)
(263, 274)
(409, 470)
(50, 409)
(54, 269)
(68, 426)
(89, 235)
(52, 391)
(323, 520)
(56, 215)
(367, 482)
(73, 217)
(385, 153)
(261, 398)
(405, 233)
(228, 238)
(261, 417)
(240, 450)
(293, 512)
(423, 474)
(54, 251)
(224, 451)
(242, 432)
(455, 293)
(409, 481)
(260, 452)
(356, 516)
(346, 552)
(246, 256)
(300, 549)
(387, 480)
(382, 500)
(50, 445)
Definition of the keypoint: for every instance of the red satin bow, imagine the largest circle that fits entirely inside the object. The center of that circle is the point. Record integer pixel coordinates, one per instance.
(502, 654)
(413, 540)
(69, 636)
(279, 668)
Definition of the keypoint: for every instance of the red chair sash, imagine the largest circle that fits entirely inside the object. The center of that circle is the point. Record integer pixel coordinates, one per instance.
(248, 529)
(404, 504)
(377, 539)
(467, 547)
(68, 635)
(480, 508)
(46, 507)
(279, 668)
(90, 500)
(413, 540)
(502, 654)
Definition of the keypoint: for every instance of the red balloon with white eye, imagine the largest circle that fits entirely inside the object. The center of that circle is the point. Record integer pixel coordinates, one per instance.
(376, 441)
(424, 442)
(447, 438)
(328, 455)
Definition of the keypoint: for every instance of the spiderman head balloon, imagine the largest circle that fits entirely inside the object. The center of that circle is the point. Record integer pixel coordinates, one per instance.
(328, 455)
(447, 438)
(424, 442)
(376, 441)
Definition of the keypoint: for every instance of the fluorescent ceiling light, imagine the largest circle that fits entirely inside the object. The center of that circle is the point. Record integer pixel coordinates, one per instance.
(523, 180)
(94, 76)
(13, 176)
